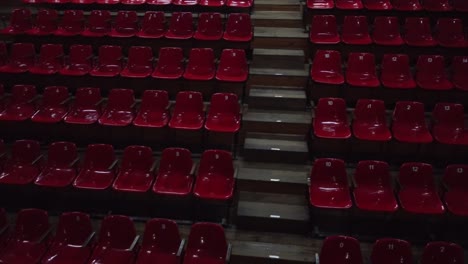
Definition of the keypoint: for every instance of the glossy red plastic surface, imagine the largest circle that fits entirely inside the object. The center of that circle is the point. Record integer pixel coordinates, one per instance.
(136, 170)
(210, 27)
(170, 64)
(326, 67)
(233, 66)
(340, 249)
(20, 106)
(361, 70)
(396, 72)
(440, 252)
(324, 30)
(23, 165)
(154, 110)
(22, 58)
(449, 33)
(79, 61)
(449, 124)
(188, 111)
(206, 244)
(53, 107)
(85, 109)
(96, 171)
(125, 24)
(180, 26)
(431, 74)
(20, 22)
(109, 62)
(152, 25)
(456, 181)
(387, 31)
(72, 23)
(391, 250)
(119, 110)
(174, 175)
(224, 113)
(140, 62)
(201, 65)
(331, 120)
(238, 28)
(99, 24)
(370, 122)
(59, 170)
(418, 32)
(409, 124)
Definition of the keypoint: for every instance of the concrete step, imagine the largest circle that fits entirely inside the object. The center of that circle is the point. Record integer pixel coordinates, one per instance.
(277, 5)
(267, 253)
(284, 98)
(279, 76)
(277, 58)
(281, 122)
(280, 38)
(286, 19)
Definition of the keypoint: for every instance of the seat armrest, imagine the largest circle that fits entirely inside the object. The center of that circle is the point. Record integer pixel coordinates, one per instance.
(86, 242)
(44, 236)
(154, 165)
(113, 164)
(4, 229)
(73, 163)
(66, 101)
(34, 99)
(37, 159)
(134, 243)
(181, 248)
(228, 253)
(194, 169)
(100, 102)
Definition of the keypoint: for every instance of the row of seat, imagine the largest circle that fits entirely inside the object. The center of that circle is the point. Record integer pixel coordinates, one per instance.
(207, 3)
(399, 5)
(137, 173)
(395, 71)
(417, 32)
(100, 23)
(200, 66)
(31, 240)
(344, 249)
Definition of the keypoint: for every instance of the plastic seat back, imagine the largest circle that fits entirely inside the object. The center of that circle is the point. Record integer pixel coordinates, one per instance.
(239, 25)
(331, 110)
(210, 24)
(170, 60)
(120, 99)
(207, 240)
(216, 162)
(22, 94)
(31, 225)
(391, 250)
(201, 61)
(224, 104)
(99, 157)
(51, 55)
(396, 66)
(140, 59)
(155, 101)
(188, 102)
(416, 174)
(21, 20)
(450, 32)
(22, 54)
(456, 177)
(126, 22)
(418, 30)
(46, 20)
(361, 64)
(153, 23)
(409, 114)
(326, 62)
(449, 115)
(181, 23)
(442, 253)
(406, 5)
(73, 228)
(87, 97)
(73, 21)
(177, 161)
(371, 112)
(80, 57)
(437, 5)
(324, 29)
(53, 96)
(233, 62)
(430, 68)
(61, 154)
(460, 5)
(161, 235)
(386, 29)
(329, 172)
(110, 56)
(137, 158)
(117, 232)
(459, 70)
(340, 249)
(99, 21)
(355, 28)
(373, 173)
(25, 151)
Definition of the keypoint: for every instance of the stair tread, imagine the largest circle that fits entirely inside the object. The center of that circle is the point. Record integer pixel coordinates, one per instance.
(277, 15)
(273, 251)
(278, 52)
(279, 32)
(273, 210)
(276, 144)
(277, 2)
(280, 72)
(278, 93)
(300, 117)
(273, 175)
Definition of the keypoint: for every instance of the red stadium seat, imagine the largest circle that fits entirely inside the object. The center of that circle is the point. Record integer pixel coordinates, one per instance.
(331, 120)
(119, 110)
(50, 60)
(387, 31)
(86, 109)
(450, 33)
(109, 62)
(107, 2)
(59, 170)
(326, 67)
(33, 1)
(340, 249)
(170, 64)
(117, 241)
(215, 177)
(418, 32)
(152, 25)
(188, 111)
(30, 238)
(99, 24)
(391, 250)
(20, 22)
(320, 4)
(22, 57)
(439, 252)
(406, 5)
(377, 4)
(72, 24)
(449, 124)
(97, 171)
(210, 27)
(184, 2)
(136, 170)
(355, 31)
(239, 3)
(456, 196)
(72, 241)
(161, 241)
(158, 2)
(79, 61)
(201, 65)
(348, 4)
(418, 192)
(324, 30)
(238, 28)
(224, 113)
(374, 188)
(232, 66)
(370, 122)
(125, 24)
(361, 70)
(57, 1)
(133, 2)
(154, 109)
(84, 2)
(460, 5)
(409, 124)
(211, 3)
(23, 165)
(437, 5)
(174, 175)
(329, 185)
(21, 105)
(46, 23)
(396, 72)
(54, 105)
(140, 62)
(459, 70)
(181, 26)
(430, 73)
(206, 244)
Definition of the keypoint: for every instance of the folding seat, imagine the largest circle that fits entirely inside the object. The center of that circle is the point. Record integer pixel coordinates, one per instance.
(396, 72)
(449, 123)
(184, 2)
(239, 3)
(133, 2)
(440, 252)
(329, 185)
(174, 176)
(158, 2)
(201, 65)
(391, 250)
(54, 105)
(181, 26)
(212, 3)
(24, 164)
(86, 108)
(437, 5)
(188, 111)
(331, 120)
(72, 23)
(99, 24)
(460, 5)
(50, 60)
(140, 62)
(409, 124)
(459, 70)
(348, 4)
(355, 31)
(21, 58)
(20, 22)
(30, 237)
(162, 241)
(326, 67)
(98, 169)
(72, 240)
(340, 249)
(21, 105)
(377, 4)
(117, 241)
(387, 31)
(232, 66)
(406, 5)
(154, 109)
(79, 61)
(210, 27)
(152, 25)
(170, 64)
(320, 4)
(361, 70)
(109, 62)
(370, 122)
(119, 110)
(136, 170)
(224, 114)
(418, 32)
(238, 28)
(207, 244)
(418, 193)
(108, 2)
(46, 23)
(125, 24)
(324, 30)
(449, 33)
(430, 73)
(456, 183)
